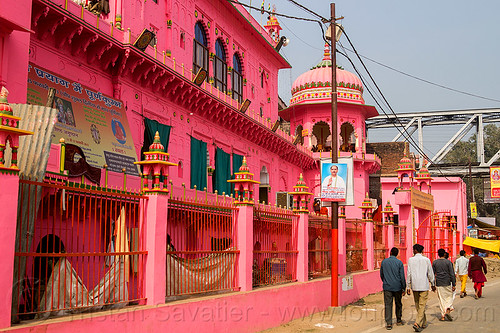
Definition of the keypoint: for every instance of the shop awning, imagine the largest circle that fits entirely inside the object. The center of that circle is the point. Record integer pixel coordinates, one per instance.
(483, 244)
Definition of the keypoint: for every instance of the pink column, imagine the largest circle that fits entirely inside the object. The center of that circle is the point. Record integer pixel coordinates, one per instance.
(156, 245)
(341, 245)
(370, 253)
(405, 219)
(245, 245)
(302, 247)
(9, 186)
(390, 236)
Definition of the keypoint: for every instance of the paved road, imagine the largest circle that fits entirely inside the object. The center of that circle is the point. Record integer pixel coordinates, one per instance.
(470, 315)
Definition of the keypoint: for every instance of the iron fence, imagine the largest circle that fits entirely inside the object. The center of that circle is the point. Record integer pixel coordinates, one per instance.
(320, 236)
(400, 241)
(78, 248)
(275, 245)
(355, 249)
(202, 246)
(380, 247)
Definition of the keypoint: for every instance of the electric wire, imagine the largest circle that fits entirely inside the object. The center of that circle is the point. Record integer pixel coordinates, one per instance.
(406, 135)
(424, 80)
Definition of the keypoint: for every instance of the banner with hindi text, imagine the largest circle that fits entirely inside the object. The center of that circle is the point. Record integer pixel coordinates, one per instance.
(87, 118)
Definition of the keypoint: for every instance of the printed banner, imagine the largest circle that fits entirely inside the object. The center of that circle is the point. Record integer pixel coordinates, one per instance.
(95, 122)
(333, 181)
(495, 182)
(473, 210)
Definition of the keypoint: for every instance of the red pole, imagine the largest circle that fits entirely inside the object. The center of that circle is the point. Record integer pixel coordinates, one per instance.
(335, 206)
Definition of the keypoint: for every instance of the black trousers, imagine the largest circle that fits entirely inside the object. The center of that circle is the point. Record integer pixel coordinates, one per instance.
(388, 296)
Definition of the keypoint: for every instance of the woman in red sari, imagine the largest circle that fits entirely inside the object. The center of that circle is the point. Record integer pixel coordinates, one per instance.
(476, 268)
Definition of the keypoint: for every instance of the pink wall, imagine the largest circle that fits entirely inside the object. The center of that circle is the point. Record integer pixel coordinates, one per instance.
(251, 311)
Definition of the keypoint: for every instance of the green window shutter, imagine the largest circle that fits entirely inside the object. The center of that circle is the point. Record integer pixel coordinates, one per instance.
(198, 164)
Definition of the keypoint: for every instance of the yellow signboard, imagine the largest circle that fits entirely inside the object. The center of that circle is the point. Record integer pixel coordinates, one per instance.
(305, 132)
(87, 118)
(495, 182)
(473, 210)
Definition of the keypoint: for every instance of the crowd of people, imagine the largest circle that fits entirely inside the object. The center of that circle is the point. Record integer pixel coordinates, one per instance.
(439, 276)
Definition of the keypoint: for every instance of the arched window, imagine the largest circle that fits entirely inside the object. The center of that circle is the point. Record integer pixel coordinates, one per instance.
(237, 83)
(220, 67)
(200, 48)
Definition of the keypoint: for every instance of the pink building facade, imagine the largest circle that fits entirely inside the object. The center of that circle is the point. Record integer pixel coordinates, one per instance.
(167, 85)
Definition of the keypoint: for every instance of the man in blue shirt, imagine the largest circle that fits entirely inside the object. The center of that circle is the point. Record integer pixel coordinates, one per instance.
(392, 274)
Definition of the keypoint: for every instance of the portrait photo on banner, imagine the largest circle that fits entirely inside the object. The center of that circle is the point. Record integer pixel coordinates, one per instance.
(333, 182)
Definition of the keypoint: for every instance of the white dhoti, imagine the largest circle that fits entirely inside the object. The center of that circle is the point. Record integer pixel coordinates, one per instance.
(445, 296)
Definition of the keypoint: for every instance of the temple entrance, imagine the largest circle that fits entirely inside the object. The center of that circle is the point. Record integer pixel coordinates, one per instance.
(437, 231)
(321, 139)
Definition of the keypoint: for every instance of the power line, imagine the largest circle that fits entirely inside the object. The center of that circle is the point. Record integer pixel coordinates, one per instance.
(406, 134)
(308, 10)
(424, 80)
(282, 15)
(303, 41)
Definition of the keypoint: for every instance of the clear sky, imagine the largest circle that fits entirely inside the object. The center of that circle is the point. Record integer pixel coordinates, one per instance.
(453, 43)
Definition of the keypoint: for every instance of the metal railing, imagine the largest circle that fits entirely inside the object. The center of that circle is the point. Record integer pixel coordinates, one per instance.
(202, 246)
(380, 248)
(275, 245)
(355, 252)
(320, 236)
(78, 248)
(400, 241)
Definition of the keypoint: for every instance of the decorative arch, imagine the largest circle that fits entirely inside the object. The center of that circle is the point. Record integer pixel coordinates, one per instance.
(220, 65)
(202, 25)
(321, 132)
(298, 132)
(237, 78)
(283, 185)
(240, 58)
(348, 138)
(223, 46)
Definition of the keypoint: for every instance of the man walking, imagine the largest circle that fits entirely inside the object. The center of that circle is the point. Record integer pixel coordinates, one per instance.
(462, 270)
(445, 284)
(392, 273)
(419, 275)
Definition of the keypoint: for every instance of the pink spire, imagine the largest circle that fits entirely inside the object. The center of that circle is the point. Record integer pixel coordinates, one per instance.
(327, 52)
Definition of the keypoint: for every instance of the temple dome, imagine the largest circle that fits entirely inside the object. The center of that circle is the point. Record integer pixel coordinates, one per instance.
(314, 85)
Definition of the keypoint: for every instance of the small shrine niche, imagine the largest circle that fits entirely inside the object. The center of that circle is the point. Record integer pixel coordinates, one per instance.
(301, 196)
(155, 163)
(405, 172)
(243, 185)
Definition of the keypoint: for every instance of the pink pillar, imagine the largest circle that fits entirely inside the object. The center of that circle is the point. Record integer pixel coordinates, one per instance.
(390, 236)
(245, 245)
(302, 247)
(9, 185)
(370, 253)
(405, 219)
(342, 250)
(156, 245)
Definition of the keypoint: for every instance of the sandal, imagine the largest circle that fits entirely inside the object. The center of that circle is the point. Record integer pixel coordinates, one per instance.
(442, 319)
